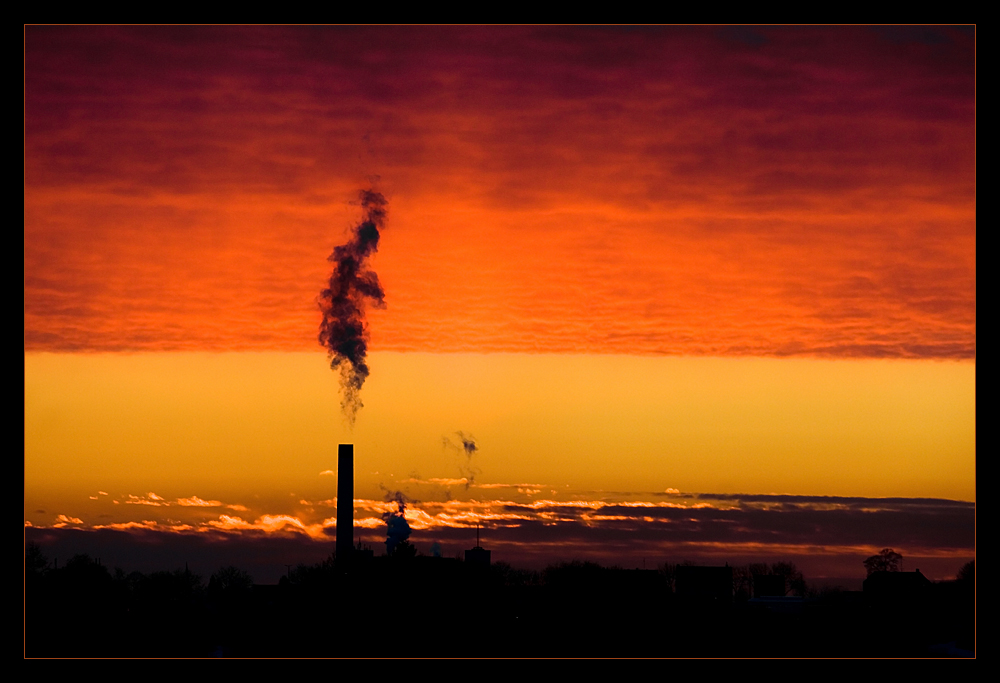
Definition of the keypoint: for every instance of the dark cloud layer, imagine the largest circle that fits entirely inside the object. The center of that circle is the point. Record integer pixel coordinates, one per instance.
(806, 190)
(824, 533)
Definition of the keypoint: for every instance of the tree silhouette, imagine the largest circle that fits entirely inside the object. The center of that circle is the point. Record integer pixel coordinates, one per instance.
(403, 550)
(794, 581)
(35, 562)
(230, 580)
(886, 561)
(743, 578)
(967, 572)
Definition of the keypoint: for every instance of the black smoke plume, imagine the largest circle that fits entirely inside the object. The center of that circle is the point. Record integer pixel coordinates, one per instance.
(353, 287)
(397, 528)
(466, 444)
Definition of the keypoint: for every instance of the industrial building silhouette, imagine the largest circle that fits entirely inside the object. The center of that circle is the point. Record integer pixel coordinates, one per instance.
(357, 604)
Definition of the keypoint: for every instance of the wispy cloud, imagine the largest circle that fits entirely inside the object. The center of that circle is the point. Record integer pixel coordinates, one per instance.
(195, 501)
(271, 524)
(825, 533)
(688, 520)
(438, 481)
(65, 520)
(149, 499)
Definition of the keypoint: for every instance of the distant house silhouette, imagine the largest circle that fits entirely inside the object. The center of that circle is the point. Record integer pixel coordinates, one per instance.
(478, 558)
(768, 585)
(705, 585)
(895, 587)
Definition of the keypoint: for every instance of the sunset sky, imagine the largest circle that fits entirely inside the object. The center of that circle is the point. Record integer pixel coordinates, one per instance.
(702, 293)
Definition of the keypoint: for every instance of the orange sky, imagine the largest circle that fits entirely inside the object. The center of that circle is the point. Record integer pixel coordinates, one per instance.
(744, 252)
(670, 191)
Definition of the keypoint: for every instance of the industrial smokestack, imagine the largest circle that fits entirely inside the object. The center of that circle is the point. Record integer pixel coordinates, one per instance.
(345, 501)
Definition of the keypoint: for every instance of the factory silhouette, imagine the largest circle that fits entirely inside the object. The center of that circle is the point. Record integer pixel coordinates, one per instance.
(403, 604)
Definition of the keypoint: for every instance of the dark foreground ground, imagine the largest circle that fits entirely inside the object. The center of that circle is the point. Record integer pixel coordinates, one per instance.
(441, 607)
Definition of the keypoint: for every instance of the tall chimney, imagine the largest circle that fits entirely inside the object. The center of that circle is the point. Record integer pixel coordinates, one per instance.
(345, 501)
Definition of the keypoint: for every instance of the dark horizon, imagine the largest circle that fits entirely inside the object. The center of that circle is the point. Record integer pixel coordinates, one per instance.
(535, 545)
(676, 610)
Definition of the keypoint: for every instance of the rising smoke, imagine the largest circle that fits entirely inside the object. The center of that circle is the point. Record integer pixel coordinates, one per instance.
(397, 528)
(465, 443)
(353, 287)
